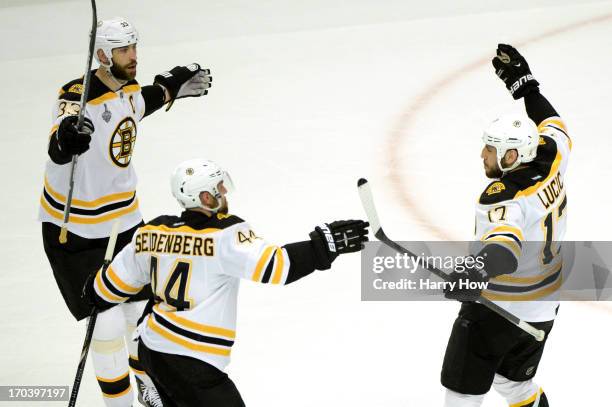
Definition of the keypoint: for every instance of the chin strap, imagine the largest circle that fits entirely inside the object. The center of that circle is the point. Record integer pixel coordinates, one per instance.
(506, 169)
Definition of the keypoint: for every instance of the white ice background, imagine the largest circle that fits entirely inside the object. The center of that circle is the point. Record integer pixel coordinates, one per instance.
(307, 98)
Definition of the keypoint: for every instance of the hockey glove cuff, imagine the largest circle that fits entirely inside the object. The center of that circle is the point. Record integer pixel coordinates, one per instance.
(512, 68)
(339, 237)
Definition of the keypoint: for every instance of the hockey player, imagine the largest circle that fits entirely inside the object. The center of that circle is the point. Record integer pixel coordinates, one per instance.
(519, 216)
(104, 190)
(194, 264)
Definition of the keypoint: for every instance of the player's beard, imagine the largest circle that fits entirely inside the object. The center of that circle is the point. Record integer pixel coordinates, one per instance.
(122, 73)
(493, 172)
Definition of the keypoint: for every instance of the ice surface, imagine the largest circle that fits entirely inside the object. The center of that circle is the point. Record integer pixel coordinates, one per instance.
(307, 98)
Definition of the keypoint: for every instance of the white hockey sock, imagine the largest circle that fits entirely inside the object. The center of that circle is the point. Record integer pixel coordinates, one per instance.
(109, 359)
(525, 393)
(454, 399)
(132, 312)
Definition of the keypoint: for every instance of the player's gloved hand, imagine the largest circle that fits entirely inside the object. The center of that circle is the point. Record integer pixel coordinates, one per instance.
(513, 69)
(185, 81)
(72, 140)
(339, 237)
(474, 276)
(90, 296)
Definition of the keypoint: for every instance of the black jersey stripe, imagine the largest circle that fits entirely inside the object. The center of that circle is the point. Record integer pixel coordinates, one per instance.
(268, 273)
(507, 235)
(188, 334)
(521, 289)
(111, 287)
(557, 128)
(88, 212)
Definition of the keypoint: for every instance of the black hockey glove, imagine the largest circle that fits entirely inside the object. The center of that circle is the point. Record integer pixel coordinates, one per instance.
(513, 69)
(72, 141)
(90, 296)
(467, 284)
(339, 237)
(185, 81)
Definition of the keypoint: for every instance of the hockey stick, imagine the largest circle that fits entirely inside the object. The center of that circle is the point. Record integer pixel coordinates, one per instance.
(108, 257)
(367, 200)
(63, 238)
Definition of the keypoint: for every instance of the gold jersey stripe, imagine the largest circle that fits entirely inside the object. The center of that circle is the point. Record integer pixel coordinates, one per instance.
(505, 229)
(507, 242)
(180, 341)
(263, 260)
(116, 379)
(527, 280)
(524, 297)
(88, 220)
(137, 371)
(280, 264)
(113, 95)
(110, 297)
(124, 392)
(534, 188)
(529, 400)
(557, 122)
(207, 329)
(119, 283)
(180, 229)
(131, 88)
(112, 198)
(104, 98)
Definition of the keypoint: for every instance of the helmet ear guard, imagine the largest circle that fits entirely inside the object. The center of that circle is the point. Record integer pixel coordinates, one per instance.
(513, 132)
(192, 177)
(114, 33)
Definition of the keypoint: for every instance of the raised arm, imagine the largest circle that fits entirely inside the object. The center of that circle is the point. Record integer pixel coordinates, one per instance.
(512, 68)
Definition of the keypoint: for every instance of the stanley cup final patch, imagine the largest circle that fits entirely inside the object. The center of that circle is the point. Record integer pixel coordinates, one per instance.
(106, 114)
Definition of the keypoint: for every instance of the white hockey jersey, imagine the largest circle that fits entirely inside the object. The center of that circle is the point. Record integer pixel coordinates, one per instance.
(104, 179)
(526, 211)
(194, 264)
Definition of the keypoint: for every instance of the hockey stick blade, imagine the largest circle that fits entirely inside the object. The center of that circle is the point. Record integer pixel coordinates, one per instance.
(367, 201)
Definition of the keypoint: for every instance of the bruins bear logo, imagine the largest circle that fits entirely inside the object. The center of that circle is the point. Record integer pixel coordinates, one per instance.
(495, 188)
(122, 142)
